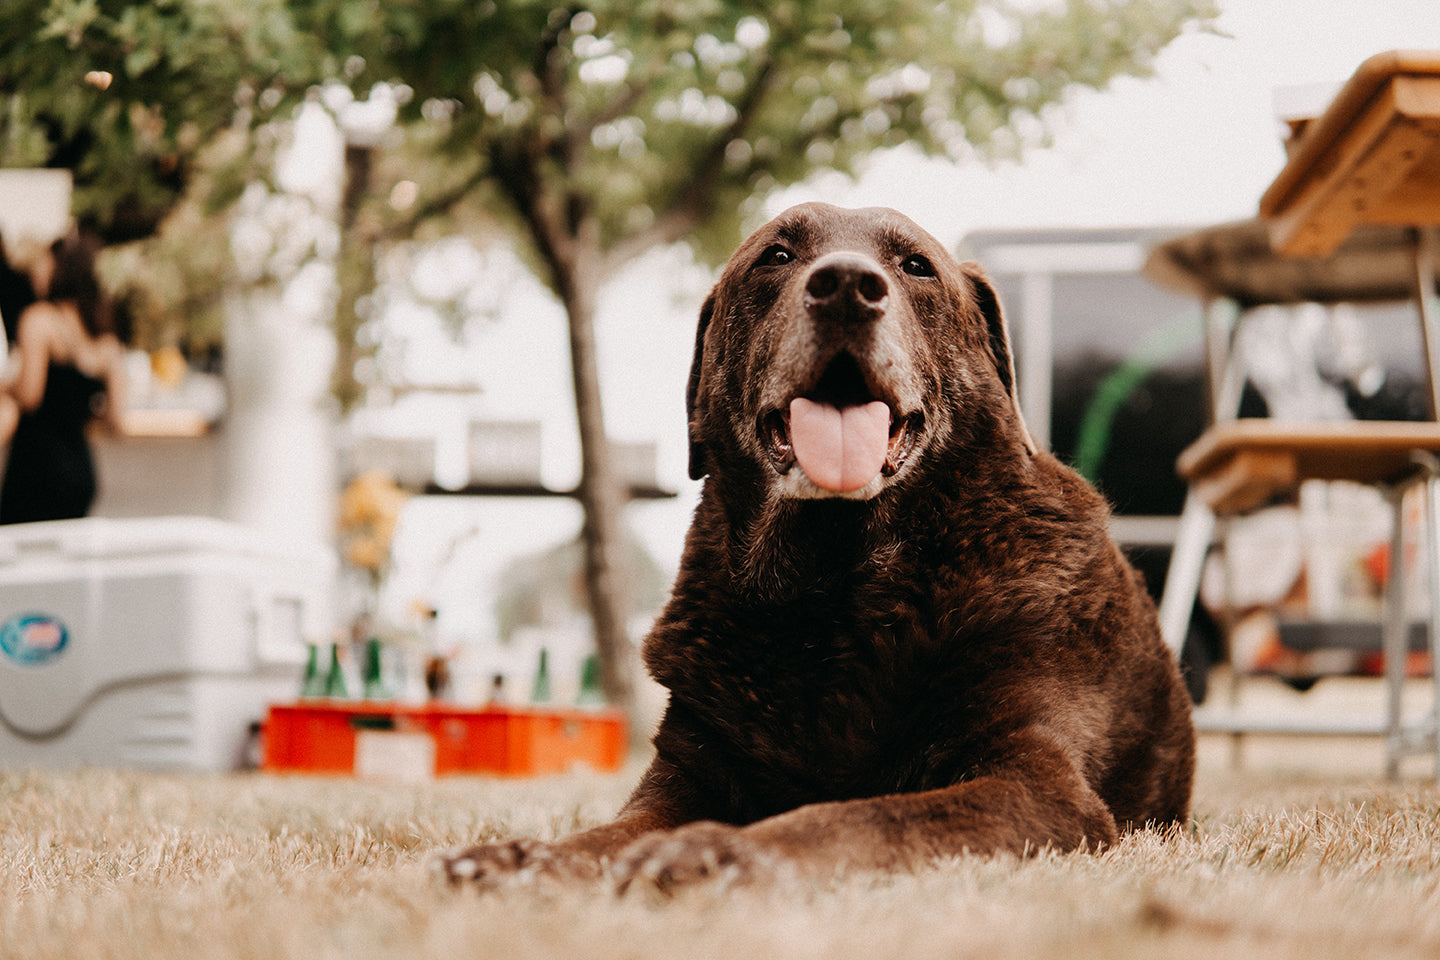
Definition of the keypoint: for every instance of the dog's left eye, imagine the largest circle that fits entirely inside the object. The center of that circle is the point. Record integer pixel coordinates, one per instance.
(918, 266)
(776, 256)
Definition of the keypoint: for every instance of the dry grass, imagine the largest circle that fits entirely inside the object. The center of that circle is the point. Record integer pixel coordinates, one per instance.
(1281, 861)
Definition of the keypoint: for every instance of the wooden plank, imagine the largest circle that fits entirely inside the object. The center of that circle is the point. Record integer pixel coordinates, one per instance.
(1239, 465)
(1417, 198)
(1319, 136)
(1367, 171)
(1339, 444)
(1371, 157)
(1375, 264)
(1245, 479)
(1311, 221)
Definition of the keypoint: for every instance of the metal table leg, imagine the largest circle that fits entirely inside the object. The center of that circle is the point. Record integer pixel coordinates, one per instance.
(1182, 579)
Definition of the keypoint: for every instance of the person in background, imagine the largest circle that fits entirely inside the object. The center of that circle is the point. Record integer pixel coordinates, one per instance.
(67, 370)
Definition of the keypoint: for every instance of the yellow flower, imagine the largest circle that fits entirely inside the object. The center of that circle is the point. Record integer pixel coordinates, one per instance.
(369, 510)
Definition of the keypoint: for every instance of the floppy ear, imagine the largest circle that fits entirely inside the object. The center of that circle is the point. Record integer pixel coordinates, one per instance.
(698, 466)
(998, 335)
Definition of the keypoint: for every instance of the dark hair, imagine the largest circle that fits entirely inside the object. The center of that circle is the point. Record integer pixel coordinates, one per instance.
(16, 293)
(75, 280)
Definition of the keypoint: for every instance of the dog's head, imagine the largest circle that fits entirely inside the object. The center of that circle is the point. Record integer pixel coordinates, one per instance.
(839, 348)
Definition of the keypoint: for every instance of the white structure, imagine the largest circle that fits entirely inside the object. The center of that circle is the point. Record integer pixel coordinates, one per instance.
(34, 205)
(151, 642)
(278, 447)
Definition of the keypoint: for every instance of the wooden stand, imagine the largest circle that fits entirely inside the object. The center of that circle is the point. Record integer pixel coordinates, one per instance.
(1351, 218)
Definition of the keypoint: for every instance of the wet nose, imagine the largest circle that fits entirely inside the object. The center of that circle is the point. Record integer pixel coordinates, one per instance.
(846, 286)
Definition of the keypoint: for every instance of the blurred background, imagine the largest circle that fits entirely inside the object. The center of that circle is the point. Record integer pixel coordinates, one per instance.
(417, 282)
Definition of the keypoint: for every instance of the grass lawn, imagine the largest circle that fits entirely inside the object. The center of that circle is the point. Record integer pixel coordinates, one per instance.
(1302, 852)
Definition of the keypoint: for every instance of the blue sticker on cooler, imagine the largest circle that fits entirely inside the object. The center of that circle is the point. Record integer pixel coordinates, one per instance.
(33, 638)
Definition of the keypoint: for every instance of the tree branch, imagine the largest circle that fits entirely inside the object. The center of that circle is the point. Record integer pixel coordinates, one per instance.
(548, 69)
(516, 170)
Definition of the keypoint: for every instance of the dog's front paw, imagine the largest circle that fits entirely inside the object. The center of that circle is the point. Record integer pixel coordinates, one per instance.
(697, 853)
(516, 862)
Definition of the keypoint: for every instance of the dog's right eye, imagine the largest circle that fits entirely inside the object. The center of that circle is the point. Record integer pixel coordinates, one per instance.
(918, 266)
(776, 256)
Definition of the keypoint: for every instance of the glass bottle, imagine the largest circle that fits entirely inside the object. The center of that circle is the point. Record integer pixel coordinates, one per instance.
(314, 683)
(373, 674)
(591, 693)
(335, 679)
(540, 693)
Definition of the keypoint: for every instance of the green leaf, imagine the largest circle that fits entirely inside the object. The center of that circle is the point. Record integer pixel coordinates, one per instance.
(141, 59)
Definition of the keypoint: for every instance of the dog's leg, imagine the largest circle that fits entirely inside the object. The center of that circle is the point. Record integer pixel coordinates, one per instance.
(659, 802)
(1038, 801)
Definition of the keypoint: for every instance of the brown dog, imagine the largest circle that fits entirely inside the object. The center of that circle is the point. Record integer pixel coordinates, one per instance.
(899, 632)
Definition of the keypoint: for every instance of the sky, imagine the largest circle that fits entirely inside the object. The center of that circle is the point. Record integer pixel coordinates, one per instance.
(1194, 145)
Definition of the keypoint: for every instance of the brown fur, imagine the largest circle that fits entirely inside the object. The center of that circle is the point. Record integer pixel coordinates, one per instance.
(957, 659)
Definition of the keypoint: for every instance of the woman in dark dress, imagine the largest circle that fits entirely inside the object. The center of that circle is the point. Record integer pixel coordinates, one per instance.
(70, 371)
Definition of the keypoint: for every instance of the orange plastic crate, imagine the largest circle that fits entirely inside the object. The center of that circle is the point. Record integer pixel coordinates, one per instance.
(320, 736)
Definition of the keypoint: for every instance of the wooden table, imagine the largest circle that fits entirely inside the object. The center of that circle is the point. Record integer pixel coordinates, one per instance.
(1373, 156)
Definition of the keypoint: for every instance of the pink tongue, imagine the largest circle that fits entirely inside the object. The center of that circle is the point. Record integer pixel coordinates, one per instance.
(840, 450)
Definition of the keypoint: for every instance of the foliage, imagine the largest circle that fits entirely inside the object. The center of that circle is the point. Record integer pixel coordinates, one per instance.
(672, 119)
(127, 94)
(655, 118)
(159, 111)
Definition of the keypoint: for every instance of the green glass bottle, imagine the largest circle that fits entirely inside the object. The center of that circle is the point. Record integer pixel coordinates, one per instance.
(314, 683)
(335, 679)
(591, 693)
(540, 693)
(373, 675)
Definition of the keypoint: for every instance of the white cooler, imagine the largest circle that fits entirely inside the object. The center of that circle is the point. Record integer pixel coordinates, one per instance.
(153, 642)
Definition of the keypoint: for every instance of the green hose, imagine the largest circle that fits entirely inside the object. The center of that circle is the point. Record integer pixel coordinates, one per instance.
(1154, 351)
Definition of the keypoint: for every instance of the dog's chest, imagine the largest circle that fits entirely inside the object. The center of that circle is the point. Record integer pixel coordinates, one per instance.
(818, 701)
(854, 663)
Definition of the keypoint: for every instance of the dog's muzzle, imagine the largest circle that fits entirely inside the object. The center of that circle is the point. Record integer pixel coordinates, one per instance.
(842, 430)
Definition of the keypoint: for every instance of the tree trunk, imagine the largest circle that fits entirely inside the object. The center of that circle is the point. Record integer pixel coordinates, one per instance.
(600, 495)
(355, 272)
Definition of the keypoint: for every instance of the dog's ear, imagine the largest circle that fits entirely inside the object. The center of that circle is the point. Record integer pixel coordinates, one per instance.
(698, 466)
(998, 335)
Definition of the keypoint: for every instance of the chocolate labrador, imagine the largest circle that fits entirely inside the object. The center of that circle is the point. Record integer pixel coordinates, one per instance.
(900, 632)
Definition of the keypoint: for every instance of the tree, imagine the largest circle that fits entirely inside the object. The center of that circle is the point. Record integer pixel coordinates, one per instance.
(598, 130)
(590, 131)
(127, 95)
(143, 103)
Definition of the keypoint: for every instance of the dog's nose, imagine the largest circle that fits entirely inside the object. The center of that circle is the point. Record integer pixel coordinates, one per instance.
(846, 287)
